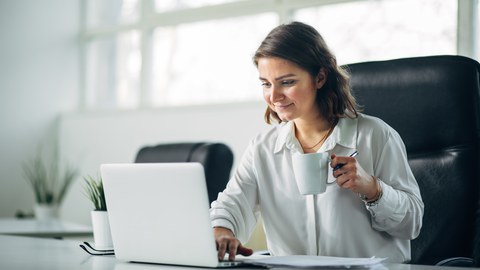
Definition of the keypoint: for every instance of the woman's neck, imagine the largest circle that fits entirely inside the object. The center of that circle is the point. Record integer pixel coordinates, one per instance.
(312, 134)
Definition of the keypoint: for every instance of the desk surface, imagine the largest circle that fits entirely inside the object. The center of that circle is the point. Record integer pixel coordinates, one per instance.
(42, 228)
(18, 252)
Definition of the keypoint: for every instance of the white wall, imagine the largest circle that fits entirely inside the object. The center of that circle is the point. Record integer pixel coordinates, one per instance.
(91, 139)
(38, 80)
(39, 91)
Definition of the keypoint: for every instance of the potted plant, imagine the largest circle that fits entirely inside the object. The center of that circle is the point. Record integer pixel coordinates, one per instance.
(100, 224)
(49, 184)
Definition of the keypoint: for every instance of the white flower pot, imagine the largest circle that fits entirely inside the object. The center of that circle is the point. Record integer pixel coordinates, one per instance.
(45, 211)
(101, 230)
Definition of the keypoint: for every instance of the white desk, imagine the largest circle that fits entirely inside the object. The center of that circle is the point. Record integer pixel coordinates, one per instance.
(40, 253)
(43, 228)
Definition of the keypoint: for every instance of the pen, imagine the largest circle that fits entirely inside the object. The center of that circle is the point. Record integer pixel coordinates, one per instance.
(354, 154)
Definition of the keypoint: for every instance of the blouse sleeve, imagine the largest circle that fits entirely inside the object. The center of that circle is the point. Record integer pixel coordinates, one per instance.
(400, 210)
(236, 207)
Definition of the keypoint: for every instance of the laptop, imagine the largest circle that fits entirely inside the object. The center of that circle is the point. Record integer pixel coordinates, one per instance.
(159, 213)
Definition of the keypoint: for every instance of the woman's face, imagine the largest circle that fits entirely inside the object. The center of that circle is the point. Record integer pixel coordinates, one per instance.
(288, 89)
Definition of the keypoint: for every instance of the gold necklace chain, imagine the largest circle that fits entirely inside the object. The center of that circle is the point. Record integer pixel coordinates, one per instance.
(321, 140)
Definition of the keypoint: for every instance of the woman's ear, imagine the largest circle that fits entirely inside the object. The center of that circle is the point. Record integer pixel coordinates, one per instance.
(321, 78)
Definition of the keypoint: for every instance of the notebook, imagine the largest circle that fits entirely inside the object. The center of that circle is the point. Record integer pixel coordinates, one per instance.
(159, 213)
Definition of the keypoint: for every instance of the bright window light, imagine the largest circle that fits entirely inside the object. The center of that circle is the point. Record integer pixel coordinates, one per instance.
(199, 51)
(385, 29)
(168, 5)
(112, 12)
(209, 61)
(113, 71)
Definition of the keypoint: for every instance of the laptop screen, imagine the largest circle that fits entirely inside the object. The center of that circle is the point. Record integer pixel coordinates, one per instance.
(159, 213)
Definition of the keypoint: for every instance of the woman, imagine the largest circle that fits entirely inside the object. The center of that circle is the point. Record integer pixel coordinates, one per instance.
(375, 207)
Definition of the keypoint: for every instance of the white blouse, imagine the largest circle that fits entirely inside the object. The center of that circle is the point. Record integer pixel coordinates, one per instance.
(333, 223)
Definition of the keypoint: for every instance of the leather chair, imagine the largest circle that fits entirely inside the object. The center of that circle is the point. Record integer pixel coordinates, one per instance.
(216, 158)
(433, 102)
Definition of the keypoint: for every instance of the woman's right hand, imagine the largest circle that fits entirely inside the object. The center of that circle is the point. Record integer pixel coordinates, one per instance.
(228, 243)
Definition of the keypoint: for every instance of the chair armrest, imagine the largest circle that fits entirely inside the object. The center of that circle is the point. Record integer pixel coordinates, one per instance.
(457, 261)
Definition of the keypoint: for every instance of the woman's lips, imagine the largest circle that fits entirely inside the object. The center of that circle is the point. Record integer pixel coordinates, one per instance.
(282, 107)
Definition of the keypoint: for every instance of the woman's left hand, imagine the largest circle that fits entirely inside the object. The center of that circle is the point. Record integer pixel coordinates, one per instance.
(352, 176)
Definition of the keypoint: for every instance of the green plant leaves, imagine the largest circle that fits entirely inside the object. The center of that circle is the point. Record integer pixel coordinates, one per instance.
(94, 191)
(48, 186)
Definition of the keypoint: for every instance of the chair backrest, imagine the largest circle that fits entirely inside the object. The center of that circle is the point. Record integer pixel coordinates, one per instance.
(216, 158)
(433, 103)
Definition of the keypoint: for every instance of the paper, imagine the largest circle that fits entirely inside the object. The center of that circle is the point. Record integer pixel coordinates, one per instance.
(306, 261)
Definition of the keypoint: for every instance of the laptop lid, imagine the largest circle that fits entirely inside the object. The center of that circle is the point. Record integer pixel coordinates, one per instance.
(159, 213)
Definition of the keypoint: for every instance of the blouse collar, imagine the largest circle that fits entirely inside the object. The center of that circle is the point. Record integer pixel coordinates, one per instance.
(344, 133)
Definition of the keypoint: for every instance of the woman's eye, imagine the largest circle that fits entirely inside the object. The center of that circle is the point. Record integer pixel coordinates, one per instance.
(288, 82)
(265, 84)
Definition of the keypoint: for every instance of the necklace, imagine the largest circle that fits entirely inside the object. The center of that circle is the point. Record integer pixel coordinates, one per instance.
(321, 140)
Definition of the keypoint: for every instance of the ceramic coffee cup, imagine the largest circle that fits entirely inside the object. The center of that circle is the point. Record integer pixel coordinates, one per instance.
(311, 172)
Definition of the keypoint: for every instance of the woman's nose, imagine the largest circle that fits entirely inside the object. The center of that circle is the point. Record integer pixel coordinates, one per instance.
(276, 94)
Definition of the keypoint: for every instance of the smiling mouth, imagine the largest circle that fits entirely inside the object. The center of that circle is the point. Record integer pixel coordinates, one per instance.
(282, 107)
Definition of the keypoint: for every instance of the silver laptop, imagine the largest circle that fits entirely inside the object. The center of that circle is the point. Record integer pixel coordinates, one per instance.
(159, 213)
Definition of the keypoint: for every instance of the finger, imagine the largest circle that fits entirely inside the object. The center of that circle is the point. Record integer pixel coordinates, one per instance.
(339, 172)
(344, 169)
(346, 184)
(348, 166)
(222, 248)
(348, 180)
(339, 162)
(232, 250)
(333, 160)
(244, 251)
(343, 176)
(341, 180)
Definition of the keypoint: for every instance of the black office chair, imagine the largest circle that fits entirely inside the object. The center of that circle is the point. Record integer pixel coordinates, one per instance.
(433, 102)
(216, 158)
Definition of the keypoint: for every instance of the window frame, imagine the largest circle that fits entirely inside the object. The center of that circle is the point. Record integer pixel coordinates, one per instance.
(149, 19)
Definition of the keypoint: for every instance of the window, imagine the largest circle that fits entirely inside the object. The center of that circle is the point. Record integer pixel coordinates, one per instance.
(102, 13)
(113, 71)
(168, 5)
(208, 61)
(151, 53)
(376, 30)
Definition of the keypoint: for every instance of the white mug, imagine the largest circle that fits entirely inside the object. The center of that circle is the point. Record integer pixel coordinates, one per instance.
(311, 172)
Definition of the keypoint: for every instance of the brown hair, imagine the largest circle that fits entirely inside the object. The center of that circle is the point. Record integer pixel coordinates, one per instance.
(303, 45)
